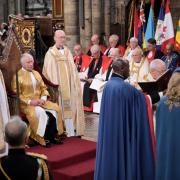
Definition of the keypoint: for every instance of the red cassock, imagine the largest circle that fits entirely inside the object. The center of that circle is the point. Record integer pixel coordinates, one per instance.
(120, 47)
(106, 61)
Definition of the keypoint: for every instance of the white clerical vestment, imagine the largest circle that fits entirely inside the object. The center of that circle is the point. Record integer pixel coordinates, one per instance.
(4, 115)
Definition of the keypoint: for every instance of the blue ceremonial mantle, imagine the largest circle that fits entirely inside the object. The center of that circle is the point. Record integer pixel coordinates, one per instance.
(124, 149)
(168, 142)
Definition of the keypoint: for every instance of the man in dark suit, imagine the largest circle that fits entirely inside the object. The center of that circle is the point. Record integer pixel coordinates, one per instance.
(18, 164)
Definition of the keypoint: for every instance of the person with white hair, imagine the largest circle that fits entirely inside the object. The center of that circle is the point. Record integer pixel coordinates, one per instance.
(44, 116)
(114, 43)
(133, 44)
(4, 114)
(156, 69)
(59, 68)
(139, 67)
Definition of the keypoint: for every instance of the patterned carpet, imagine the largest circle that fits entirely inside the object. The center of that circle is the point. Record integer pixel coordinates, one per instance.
(91, 128)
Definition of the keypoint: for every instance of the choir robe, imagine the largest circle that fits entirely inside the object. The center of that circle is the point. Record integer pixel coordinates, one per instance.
(86, 60)
(138, 71)
(124, 148)
(4, 115)
(128, 53)
(121, 49)
(151, 55)
(104, 74)
(27, 92)
(59, 68)
(167, 141)
(89, 95)
(78, 61)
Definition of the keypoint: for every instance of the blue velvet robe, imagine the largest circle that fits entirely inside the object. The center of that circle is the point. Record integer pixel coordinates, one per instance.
(168, 142)
(124, 148)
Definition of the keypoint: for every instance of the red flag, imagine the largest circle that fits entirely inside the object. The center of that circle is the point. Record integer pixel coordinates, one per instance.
(168, 29)
(136, 19)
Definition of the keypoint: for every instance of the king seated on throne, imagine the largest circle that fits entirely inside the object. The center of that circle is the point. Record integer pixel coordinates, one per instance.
(44, 117)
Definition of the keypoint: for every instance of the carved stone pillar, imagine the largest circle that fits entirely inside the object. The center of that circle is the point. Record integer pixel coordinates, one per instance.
(96, 16)
(88, 22)
(120, 6)
(71, 22)
(107, 17)
(1, 11)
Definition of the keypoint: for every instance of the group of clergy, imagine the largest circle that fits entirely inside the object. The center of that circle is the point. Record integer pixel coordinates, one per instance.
(95, 65)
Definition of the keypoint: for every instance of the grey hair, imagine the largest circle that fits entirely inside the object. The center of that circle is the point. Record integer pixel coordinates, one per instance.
(24, 57)
(115, 37)
(133, 39)
(15, 131)
(59, 31)
(157, 64)
(95, 48)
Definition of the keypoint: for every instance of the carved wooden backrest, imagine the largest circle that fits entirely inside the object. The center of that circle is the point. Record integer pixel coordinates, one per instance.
(10, 61)
(20, 39)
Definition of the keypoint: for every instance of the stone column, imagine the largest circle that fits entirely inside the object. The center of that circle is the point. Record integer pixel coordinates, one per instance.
(1, 11)
(88, 22)
(107, 17)
(11, 7)
(96, 16)
(71, 22)
(120, 19)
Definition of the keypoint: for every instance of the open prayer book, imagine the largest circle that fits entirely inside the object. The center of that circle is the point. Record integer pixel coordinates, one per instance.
(97, 84)
(159, 85)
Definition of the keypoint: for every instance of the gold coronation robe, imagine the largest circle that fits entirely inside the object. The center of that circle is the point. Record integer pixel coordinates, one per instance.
(60, 69)
(4, 115)
(27, 93)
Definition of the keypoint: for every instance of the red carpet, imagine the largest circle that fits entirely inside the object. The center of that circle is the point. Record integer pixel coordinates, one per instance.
(74, 160)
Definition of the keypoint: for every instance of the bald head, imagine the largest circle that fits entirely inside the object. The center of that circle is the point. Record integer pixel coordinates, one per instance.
(169, 48)
(95, 39)
(59, 38)
(16, 132)
(121, 67)
(157, 68)
(77, 50)
(114, 54)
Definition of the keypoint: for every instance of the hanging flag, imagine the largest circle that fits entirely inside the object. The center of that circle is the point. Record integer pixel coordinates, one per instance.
(141, 23)
(159, 27)
(177, 42)
(168, 29)
(150, 26)
(136, 19)
(130, 21)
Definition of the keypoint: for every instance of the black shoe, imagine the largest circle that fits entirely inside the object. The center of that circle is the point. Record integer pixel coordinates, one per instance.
(57, 140)
(47, 145)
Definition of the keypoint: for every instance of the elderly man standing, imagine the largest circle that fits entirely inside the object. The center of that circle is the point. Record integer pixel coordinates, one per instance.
(59, 68)
(44, 117)
(18, 164)
(4, 114)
